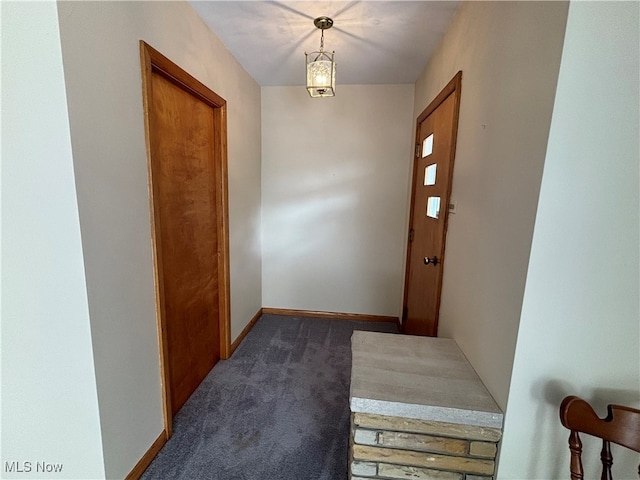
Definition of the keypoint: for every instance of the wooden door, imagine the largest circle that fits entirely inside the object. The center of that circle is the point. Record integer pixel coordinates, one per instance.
(432, 174)
(186, 138)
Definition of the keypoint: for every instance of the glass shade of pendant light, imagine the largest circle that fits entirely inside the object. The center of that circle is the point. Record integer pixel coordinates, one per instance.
(321, 66)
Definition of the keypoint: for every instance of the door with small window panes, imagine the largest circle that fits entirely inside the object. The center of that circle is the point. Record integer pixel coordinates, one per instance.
(436, 135)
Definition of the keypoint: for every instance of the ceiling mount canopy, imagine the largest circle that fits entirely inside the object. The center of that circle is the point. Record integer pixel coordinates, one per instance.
(321, 66)
(323, 23)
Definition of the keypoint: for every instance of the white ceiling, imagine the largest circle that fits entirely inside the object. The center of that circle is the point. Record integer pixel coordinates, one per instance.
(376, 42)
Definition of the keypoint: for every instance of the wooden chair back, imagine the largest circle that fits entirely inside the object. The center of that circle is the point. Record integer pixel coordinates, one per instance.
(621, 426)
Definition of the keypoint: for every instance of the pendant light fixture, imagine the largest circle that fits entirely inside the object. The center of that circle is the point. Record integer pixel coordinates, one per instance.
(321, 66)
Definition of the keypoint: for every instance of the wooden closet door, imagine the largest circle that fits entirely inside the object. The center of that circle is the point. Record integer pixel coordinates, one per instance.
(182, 139)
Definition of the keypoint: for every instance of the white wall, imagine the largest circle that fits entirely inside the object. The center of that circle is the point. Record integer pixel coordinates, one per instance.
(580, 325)
(335, 177)
(509, 53)
(102, 72)
(49, 398)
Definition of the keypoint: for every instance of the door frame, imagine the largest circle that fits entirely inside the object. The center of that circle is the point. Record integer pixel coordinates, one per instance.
(454, 88)
(153, 61)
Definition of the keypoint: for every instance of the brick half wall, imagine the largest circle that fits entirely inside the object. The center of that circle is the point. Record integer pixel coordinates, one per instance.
(383, 447)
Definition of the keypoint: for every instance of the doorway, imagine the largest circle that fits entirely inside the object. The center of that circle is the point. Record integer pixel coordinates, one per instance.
(436, 134)
(185, 126)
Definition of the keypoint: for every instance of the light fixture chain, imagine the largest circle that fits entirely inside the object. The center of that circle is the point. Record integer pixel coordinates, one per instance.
(322, 41)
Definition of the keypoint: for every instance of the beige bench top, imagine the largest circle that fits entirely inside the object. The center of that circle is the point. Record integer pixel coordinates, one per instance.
(418, 377)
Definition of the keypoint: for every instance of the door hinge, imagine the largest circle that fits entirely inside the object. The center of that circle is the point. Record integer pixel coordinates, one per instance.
(411, 233)
(418, 151)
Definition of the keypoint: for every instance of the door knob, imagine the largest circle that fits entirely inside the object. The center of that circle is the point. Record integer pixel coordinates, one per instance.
(431, 260)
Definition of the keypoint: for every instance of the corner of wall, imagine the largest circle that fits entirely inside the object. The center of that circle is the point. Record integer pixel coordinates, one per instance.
(50, 414)
(509, 53)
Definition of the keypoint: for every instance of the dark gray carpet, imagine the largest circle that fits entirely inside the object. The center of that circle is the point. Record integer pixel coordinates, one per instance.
(277, 410)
